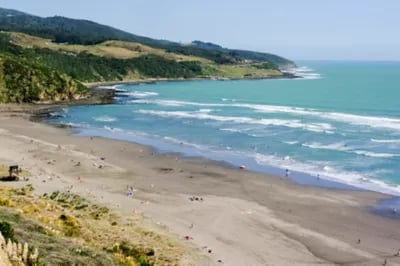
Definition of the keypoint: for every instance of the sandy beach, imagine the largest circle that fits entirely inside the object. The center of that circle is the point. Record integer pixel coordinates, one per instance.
(232, 216)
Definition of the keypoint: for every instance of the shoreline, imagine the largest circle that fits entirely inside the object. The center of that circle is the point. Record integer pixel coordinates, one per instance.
(383, 206)
(91, 85)
(246, 218)
(162, 148)
(301, 178)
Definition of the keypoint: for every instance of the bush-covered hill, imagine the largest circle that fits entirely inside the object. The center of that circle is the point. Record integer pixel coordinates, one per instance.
(45, 59)
(66, 30)
(87, 67)
(24, 82)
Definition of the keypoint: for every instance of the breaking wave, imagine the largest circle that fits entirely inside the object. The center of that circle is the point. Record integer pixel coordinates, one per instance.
(105, 118)
(315, 127)
(353, 119)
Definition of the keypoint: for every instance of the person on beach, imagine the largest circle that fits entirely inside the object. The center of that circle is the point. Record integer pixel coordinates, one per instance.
(287, 172)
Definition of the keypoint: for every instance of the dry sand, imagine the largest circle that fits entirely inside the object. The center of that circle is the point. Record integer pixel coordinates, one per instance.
(244, 218)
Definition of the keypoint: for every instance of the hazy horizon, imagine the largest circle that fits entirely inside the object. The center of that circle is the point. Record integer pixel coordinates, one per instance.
(310, 30)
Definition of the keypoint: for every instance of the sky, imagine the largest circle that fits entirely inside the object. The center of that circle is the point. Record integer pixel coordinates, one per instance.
(296, 29)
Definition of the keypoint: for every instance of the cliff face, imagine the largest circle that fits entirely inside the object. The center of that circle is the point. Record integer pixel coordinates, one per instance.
(24, 82)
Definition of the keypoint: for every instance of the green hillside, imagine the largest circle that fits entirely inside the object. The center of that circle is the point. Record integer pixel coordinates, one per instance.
(46, 59)
(72, 31)
(87, 67)
(24, 82)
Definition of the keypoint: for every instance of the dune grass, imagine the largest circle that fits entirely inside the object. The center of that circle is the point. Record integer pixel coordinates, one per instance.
(68, 229)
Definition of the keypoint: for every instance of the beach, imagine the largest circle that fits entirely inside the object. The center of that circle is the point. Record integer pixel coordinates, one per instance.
(229, 215)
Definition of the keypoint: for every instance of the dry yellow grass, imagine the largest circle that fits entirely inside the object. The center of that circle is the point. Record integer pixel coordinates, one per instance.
(114, 49)
(68, 216)
(242, 71)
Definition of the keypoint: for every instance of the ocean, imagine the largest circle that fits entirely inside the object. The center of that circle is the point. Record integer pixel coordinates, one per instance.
(339, 124)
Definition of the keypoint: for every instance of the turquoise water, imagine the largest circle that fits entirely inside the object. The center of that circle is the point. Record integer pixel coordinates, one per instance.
(341, 122)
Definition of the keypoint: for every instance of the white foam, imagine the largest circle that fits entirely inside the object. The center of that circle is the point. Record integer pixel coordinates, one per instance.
(362, 120)
(319, 127)
(293, 142)
(105, 118)
(228, 100)
(302, 69)
(113, 129)
(139, 94)
(113, 87)
(182, 142)
(370, 121)
(311, 76)
(304, 72)
(329, 172)
(375, 154)
(177, 103)
(205, 111)
(242, 130)
(341, 146)
(386, 140)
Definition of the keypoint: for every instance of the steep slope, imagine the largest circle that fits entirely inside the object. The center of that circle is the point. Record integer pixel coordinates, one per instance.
(24, 82)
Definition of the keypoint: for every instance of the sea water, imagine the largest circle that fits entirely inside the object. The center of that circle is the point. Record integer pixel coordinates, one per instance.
(340, 122)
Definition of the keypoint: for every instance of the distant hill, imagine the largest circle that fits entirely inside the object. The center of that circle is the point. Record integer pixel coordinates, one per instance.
(206, 45)
(73, 31)
(46, 59)
(61, 29)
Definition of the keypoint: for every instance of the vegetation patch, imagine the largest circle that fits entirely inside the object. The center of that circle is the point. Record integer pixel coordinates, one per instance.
(68, 229)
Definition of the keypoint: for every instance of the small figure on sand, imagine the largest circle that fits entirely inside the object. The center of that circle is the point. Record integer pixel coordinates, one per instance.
(130, 191)
(359, 241)
(398, 253)
(287, 172)
(394, 211)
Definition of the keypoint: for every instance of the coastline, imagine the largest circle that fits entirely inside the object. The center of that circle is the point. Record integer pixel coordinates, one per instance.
(246, 218)
(109, 84)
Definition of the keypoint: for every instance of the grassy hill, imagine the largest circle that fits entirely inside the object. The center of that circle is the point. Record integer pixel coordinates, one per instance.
(72, 31)
(47, 58)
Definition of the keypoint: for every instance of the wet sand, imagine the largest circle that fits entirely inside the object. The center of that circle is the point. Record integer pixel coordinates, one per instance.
(233, 216)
